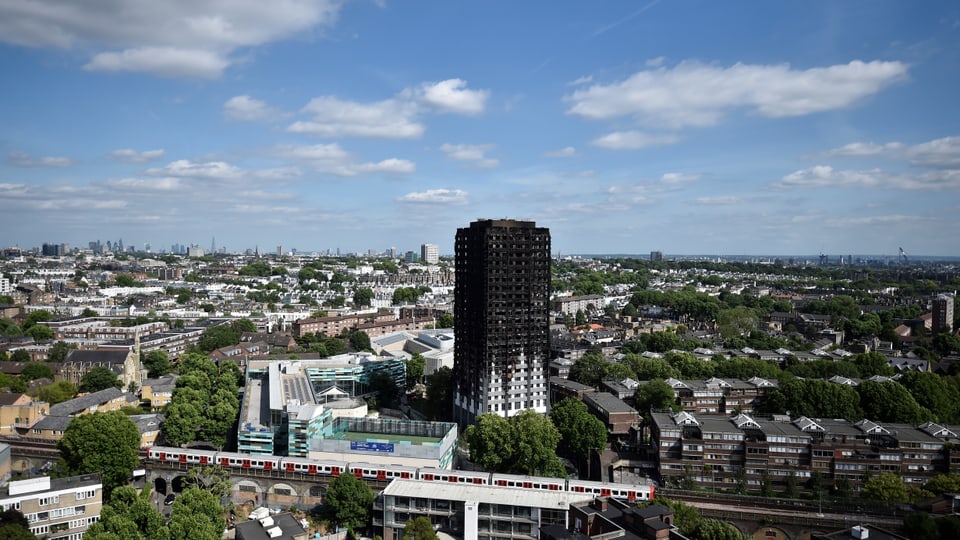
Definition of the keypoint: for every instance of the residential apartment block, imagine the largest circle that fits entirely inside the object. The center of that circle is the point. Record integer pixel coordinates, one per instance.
(502, 319)
(714, 451)
(57, 509)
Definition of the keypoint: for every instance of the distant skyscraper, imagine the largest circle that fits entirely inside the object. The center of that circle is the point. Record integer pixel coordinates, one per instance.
(392, 252)
(430, 253)
(501, 319)
(942, 313)
(410, 257)
(656, 256)
(280, 251)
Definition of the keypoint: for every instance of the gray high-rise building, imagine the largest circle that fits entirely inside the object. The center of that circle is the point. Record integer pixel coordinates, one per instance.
(942, 313)
(501, 319)
(429, 253)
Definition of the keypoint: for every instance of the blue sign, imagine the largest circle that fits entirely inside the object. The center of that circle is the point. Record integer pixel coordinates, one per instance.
(371, 446)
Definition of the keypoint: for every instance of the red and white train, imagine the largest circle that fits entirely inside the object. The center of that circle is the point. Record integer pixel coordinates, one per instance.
(311, 467)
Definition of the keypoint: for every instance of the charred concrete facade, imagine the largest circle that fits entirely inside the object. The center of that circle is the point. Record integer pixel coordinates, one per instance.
(502, 319)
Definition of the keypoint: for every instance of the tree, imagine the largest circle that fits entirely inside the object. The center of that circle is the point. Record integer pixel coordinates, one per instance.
(128, 515)
(362, 296)
(9, 327)
(348, 501)
(212, 478)
(440, 395)
(655, 395)
(40, 332)
(383, 385)
(181, 422)
(581, 432)
(359, 340)
(218, 336)
(523, 444)
(197, 515)
(415, 366)
(36, 316)
(920, 526)
(445, 320)
(59, 351)
(103, 442)
(943, 483)
(581, 318)
(34, 371)
(590, 369)
(240, 326)
(890, 402)
(419, 528)
(125, 280)
(57, 392)
(886, 487)
(491, 442)
(736, 321)
(14, 526)
(20, 355)
(157, 363)
(99, 378)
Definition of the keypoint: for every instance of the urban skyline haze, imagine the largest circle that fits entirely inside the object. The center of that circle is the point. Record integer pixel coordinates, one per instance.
(697, 127)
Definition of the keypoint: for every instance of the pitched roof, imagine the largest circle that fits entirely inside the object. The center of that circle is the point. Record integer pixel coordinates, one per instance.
(101, 356)
(76, 405)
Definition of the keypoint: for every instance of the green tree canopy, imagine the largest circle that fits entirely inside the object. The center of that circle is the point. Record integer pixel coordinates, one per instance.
(59, 351)
(197, 515)
(362, 296)
(128, 515)
(440, 395)
(890, 401)
(655, 394)
(57, 392)
(99, 378)
(590, 369)
(523, 444)
(415, 367)
(419, 528)
(157, 363)
(103, 442)
(359, 340)
(35, 371)
(581, 433)
(886, 487)
(348, 502)
(40, 332)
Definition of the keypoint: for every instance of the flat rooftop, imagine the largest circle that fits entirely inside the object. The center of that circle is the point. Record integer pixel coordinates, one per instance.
(485, 494)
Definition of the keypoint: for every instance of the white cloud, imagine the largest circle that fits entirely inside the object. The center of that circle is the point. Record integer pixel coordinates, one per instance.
(23, 159)
(943, 152)
(452, 95)
(334, 118)
(436, 196)
(250, 110)
(633, 140)
(217, 170)
(169, 62)
(859, 149)
(331, 158)
(129, 155)
(569, 151)
(147, 184)
(872, 220)
(678, 178)
(656, 62)
(173, 38)
(474, 153)
(695, 94)
(394, 118)
(581, 80)
(826, 176)
(718, 201)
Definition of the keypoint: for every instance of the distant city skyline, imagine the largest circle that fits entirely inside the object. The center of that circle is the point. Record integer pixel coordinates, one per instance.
(694, 127)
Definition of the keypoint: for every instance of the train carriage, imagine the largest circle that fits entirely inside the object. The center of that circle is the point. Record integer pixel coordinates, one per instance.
(528, 482)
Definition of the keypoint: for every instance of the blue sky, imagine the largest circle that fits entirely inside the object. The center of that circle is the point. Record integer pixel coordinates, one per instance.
(625, 127)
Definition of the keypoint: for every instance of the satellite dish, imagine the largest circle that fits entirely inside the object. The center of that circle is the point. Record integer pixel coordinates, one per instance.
(866, 441)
